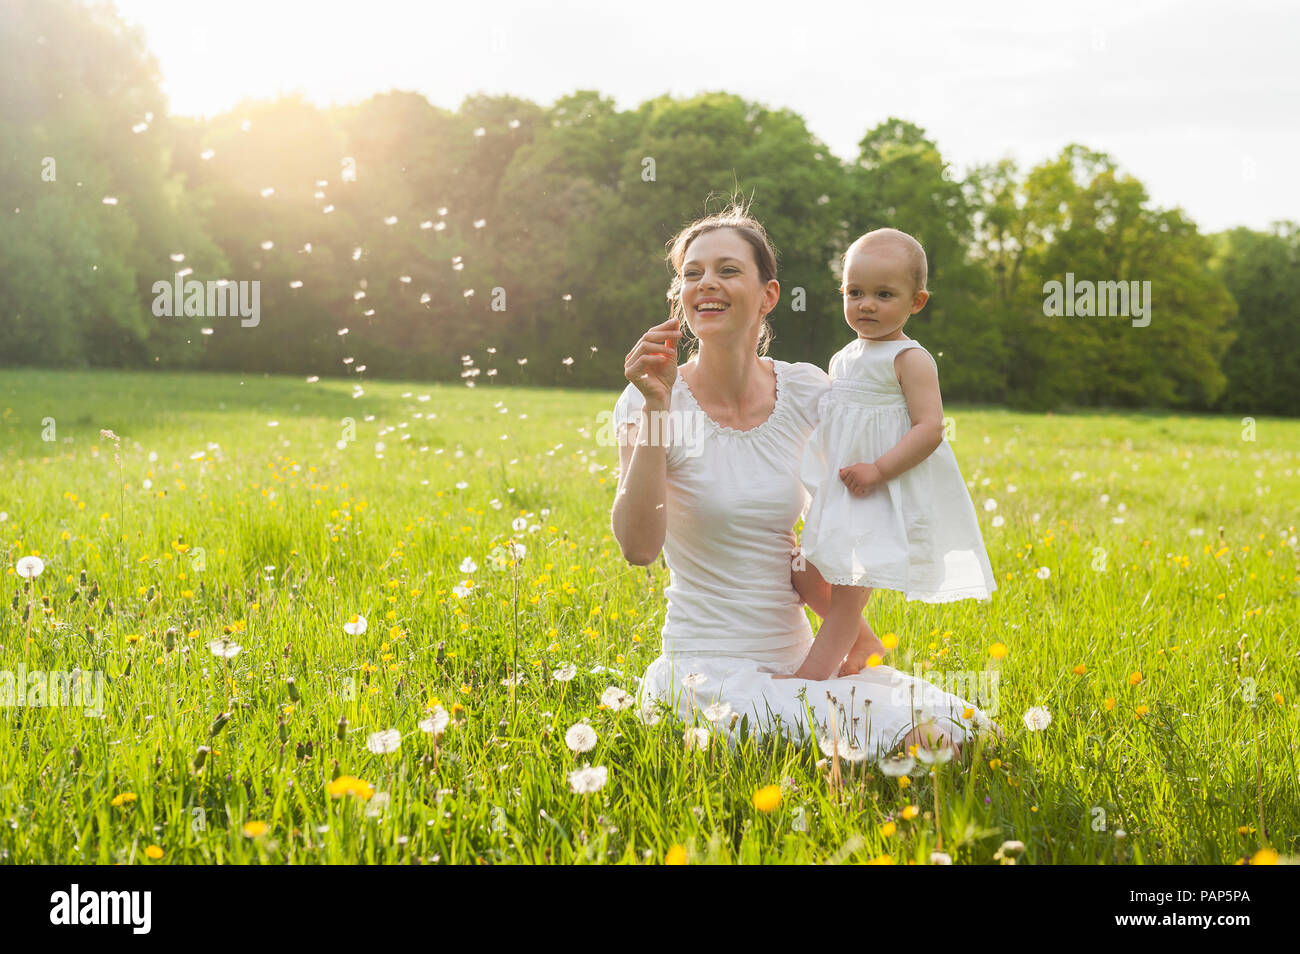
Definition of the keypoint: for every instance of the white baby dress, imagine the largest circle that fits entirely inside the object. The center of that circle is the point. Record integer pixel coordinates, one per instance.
(733, 616)
(917, 533)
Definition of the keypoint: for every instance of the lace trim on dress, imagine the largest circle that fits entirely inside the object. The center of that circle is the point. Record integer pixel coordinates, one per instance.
(947, 596)
(777, 409)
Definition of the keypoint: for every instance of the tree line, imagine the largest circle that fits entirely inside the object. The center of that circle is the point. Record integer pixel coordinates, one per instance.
(512, 242)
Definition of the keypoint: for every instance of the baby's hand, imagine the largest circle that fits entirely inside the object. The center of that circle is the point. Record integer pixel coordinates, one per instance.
(861, 479)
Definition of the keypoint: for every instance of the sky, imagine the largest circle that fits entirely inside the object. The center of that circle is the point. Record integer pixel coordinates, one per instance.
(1198, 100)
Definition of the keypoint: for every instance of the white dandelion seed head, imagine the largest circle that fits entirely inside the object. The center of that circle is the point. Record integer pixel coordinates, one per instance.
(436, 722)
(565, 672)
(693, 680)
(29, 567)
(1037, 718)
(467, 565)
(382, 743)
(355, 626)
(718, 712)
(1043, 573)
(615, 698)
(224, 648)
(897, 766)
(588, 779)
(580, 737)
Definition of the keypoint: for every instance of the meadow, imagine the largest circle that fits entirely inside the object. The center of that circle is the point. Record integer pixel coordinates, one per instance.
(209, 562)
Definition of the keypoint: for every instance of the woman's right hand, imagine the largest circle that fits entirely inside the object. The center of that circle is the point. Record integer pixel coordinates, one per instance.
(651, 365)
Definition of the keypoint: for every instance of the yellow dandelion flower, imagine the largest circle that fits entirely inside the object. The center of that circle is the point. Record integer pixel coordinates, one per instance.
(882, 860)
(873, 660)
(998, 650)
(967, 712)
(123, 798)
(1245, 830)
(904, 781)
(910, 812)
(1277, 697)
(1080, 669)
(887, 829)
(154, 852)
(889, 640)
(1141, 711)
(676, 855)
(995, 763)
(1109, 703)
(133, 637)
(256, 829)
(1135, 678)
(1265, 856)
(767, 798)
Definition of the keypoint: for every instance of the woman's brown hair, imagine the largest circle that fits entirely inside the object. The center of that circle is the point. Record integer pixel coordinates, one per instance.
(736, 216)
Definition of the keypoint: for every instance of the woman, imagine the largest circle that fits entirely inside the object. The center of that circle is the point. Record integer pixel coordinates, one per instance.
(709, 473)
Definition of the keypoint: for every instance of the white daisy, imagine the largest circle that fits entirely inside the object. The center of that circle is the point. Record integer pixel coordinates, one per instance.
(580, 737)
(382, 743)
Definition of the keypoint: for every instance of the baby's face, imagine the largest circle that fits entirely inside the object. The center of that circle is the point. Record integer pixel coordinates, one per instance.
(878, 293)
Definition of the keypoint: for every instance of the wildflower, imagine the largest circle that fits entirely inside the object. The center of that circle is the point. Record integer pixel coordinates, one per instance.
(1109, 703)
(565, 672)
(882, 860)
(887, 829)
(224, 648)
(580, 737)
(676, 855)
(1043, 573)
(1010, 850)
(436, 723)
(940, 858)
(30, 567)
(998, 650)
(718, 712)
(897, 766)
(1265, 856)
(355, 626)
(382, 743)
(693, 680)
(874, 660)
(934, 756)
(910, 812)
(586, 780)
(1135, 678)
(1080, 669)
(1141, 711)
(154, 852)
(841, 749)
(889, 640)
(348, 785)
(766, 799)
(256, 829)
(1037, 718)
(615, 698)
(696, 738)
(468, 566)
(123, 798)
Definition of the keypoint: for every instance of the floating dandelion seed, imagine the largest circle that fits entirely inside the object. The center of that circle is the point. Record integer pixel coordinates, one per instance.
(30, 567)
(586, 780)
(513, 124)
(177, 256)
(356, 254)
(426, 298)
(567, 361)
(479, 223)
(268, 192)
(480, 131)
(566, 297)
(405, 279)
(440, 226)
(382, 743)
(268, 245)
(521, 361)
(328, 209)
(110, 200)
(356, 625)
(246, 125)
(342, 332)
(1037, 718)
(206, 154)
(427, 224)
(580, 737)
(390, 220)
(296, 283)
(139, 127)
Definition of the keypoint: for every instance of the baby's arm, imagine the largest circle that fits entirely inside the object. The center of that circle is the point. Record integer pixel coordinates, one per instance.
(920, 384)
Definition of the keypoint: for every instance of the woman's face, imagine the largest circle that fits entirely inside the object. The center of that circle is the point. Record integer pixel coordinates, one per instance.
(723, 295)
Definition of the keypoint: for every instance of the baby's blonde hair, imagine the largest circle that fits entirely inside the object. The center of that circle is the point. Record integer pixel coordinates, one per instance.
(910, 247)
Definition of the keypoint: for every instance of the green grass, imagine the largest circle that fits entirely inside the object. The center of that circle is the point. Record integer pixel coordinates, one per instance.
(1209, 620)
